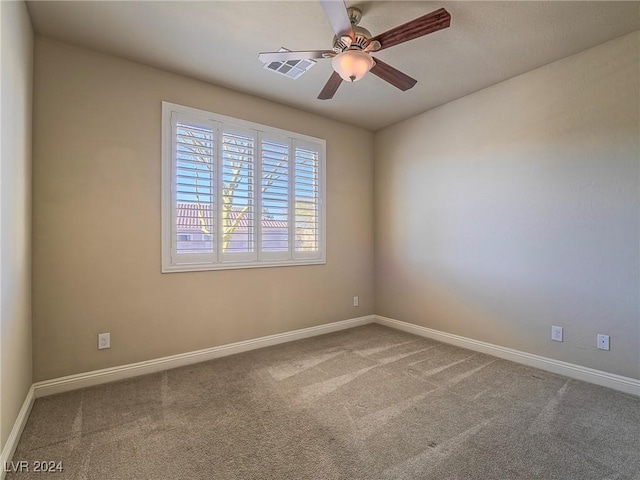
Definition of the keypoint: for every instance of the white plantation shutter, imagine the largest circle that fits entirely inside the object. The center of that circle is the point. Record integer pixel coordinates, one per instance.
(193, 193)
(274, 197)
(238, 194)
(307, 200)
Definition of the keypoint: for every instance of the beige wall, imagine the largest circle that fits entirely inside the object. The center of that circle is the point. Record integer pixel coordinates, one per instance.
(96, 243)
(16, 67)
(516, 208)
(497, 215)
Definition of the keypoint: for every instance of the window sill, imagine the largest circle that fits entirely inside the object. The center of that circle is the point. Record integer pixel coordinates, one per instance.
(235, 266)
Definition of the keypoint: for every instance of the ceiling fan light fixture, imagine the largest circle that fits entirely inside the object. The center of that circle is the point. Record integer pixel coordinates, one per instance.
(352, 65)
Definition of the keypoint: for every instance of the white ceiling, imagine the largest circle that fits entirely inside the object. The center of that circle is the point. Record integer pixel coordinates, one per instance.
(218, 42)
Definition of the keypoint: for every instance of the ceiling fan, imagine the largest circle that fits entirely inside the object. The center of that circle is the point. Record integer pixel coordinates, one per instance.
(352, 47)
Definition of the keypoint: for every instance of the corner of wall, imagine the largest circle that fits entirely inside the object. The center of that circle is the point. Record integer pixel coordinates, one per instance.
(16, 87)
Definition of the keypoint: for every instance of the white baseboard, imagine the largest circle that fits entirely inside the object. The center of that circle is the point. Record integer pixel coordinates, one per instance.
(610, 380)
(16, 431)
(97, 377)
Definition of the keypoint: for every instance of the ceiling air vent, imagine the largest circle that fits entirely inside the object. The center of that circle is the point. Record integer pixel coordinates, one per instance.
(292, 68)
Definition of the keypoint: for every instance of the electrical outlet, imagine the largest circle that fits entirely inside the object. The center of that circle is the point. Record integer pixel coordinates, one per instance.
(603, 342)
(556, 333)
(355, 301)
(104, 340)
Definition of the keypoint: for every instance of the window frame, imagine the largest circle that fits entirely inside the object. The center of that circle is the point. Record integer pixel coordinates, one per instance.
(219, 260)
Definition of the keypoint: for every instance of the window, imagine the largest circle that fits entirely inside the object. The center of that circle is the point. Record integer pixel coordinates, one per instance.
(237, 194)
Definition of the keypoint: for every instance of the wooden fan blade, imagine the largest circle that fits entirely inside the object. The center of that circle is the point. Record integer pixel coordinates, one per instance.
(394, 76)
(429, 23)
(336, 12)
(330, 87)
(266, 57)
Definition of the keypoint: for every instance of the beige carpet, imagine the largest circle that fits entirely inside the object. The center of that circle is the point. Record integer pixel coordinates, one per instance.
(366, 403)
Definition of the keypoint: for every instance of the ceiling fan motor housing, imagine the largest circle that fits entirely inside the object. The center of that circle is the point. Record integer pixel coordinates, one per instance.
(362, 35)
(362, 38)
